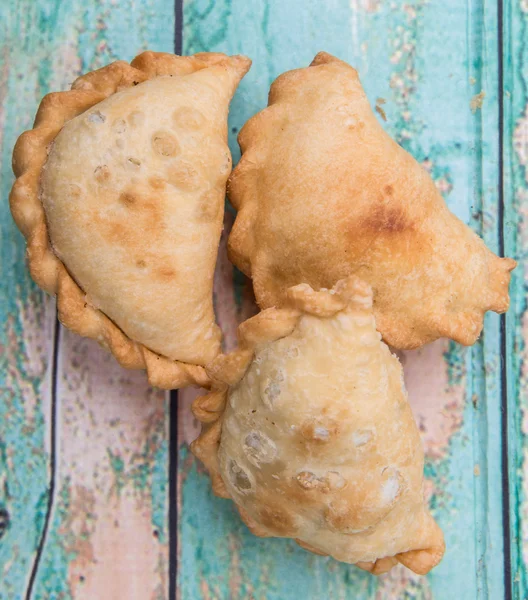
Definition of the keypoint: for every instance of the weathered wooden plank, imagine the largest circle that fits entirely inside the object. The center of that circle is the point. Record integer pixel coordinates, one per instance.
(427, 59)
(107, 535)
(27, 319)
(515, 230)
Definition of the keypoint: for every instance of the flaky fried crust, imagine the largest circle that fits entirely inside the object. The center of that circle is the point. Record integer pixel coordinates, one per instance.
(323, 192)
(48, 271)
(329, 423)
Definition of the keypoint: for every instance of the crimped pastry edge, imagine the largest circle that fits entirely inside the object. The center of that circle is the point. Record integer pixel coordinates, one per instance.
(47, 270)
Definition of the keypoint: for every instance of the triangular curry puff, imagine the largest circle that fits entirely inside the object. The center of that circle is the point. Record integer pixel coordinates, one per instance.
(120, 192)
(310, 432)
(323, 192)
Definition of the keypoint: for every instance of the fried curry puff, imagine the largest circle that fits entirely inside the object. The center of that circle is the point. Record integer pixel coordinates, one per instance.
(323, 192)
(120, 192)
(309, 430)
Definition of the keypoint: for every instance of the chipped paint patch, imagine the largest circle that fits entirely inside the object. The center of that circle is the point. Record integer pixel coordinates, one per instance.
(223, 294)
(402, 584)
(367, 6)
(25, 372)
(520, 144)
(109, 537)
(476, 102)
(437, 394)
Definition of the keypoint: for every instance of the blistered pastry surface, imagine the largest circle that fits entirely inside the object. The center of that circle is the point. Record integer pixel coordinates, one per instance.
(323, 192)
(317, 439)
(98, 214)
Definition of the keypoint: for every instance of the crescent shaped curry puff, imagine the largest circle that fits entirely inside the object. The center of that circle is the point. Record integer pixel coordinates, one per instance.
(323, 192)
(120, 192)
(310, 432)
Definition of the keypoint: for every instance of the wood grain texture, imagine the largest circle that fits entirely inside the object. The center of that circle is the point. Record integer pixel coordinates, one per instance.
(106, 535)
(27, 319)
(515, 231)
(428, 60)
(108, 531)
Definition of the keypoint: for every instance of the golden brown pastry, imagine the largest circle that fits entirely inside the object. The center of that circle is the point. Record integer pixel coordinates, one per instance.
(120, 191)
(323, 192)
(310, 432)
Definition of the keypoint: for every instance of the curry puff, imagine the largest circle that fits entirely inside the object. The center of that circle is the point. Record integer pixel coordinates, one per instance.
(323, 192)
(309, 430)
(120, 192)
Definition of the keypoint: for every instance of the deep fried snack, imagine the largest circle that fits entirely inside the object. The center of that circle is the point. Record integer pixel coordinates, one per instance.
(120, 191)
(323, 192)
(308, 429)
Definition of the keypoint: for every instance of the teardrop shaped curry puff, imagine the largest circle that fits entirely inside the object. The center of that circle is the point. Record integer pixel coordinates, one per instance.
(310, 432)
(323, 192)
(120, 192)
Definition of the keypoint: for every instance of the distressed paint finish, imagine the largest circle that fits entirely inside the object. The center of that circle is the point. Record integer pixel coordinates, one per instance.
(107, 532)
(515, 232)
(107, 535)
(27, 319)
(428, 60)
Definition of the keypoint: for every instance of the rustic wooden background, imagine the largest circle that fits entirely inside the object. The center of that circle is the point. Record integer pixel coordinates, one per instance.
(99, 496)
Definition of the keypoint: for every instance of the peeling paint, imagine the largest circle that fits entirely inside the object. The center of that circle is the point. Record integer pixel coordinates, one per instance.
(520, 144)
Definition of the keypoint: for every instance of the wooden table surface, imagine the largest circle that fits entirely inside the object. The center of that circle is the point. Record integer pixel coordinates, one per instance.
(99, 495)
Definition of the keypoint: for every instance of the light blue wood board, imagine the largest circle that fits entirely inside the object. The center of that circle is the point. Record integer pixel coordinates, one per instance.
(428, 51)
(25, 369)
(45, 45)
(99, 33)
(515, 131)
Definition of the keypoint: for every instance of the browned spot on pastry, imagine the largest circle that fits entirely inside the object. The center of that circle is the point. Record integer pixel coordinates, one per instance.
(343, 516)
(319, 430)
(128, 199)
(102, 174)
(157, 183)
(75, 191)
(189, 118)
(136, 118)
(165, 143)
(165, 272)
(208, 206)
(184, 176)
(390, 219)
(116, 232)
(277, 519)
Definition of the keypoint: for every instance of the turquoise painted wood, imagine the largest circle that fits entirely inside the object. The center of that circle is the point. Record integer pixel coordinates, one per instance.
(427, 59)
(102, 529)
(89, 520)
(26, 319)
(111, 485)
(515, 231)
